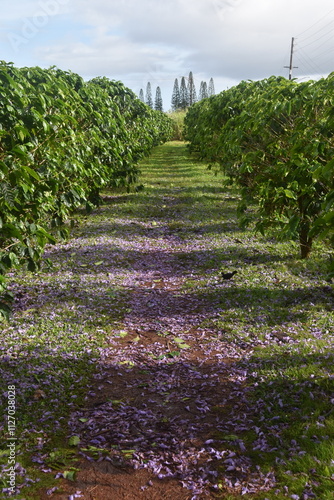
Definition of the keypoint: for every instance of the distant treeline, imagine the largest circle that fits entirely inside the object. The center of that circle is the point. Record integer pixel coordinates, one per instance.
(183, 96)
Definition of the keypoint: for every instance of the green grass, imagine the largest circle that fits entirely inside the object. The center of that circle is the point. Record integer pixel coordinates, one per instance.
(178, 121)
(278, 310)
(282, 308)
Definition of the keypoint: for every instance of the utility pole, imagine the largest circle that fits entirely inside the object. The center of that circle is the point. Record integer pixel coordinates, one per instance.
(291, 58)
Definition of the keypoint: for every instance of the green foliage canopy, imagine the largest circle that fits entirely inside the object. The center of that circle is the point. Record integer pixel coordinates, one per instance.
(275, 139)
(62, 140)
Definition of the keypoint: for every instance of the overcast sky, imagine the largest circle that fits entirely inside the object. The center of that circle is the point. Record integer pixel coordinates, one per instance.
(137, 41)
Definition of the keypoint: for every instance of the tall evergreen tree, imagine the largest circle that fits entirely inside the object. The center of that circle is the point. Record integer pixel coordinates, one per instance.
(191, 90)
(158, 100)
(176, 96)
(211, 88)
(141, 95)
(200, 94)
(148, 97)
(203, 91)
(184, 98)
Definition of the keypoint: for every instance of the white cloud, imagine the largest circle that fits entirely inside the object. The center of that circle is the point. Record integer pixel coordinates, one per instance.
(20, 10)
(232, 38)
(156, 40)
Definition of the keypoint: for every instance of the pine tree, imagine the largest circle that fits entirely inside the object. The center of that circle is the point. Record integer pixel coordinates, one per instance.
(211, 89)
(200, 94)
(158, 100)
(141, 95)
(148, 97)
(176, 96)
(184, 98)
(203, 91)
(191, 90)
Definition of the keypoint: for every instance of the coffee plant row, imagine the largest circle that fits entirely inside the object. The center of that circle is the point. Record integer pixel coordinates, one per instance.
(62, 140)
(275, 139)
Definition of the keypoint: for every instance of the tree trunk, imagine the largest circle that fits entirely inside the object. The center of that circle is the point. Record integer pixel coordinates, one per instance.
(305, 241)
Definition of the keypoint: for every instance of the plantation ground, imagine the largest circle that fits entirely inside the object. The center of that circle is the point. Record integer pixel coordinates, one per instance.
(140, 372)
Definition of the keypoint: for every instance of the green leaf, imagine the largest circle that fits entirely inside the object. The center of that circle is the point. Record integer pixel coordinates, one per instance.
(172, 354)
(74, 441)
(290, 194)
(21, 132)
(9, 230)
(230, 437)
(129, 363)
(20, 151)
(181, 343)
(32, 172)
(128, 453)
(69, 475)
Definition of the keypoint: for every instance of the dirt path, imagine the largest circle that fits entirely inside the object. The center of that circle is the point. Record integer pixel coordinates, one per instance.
(162, 418)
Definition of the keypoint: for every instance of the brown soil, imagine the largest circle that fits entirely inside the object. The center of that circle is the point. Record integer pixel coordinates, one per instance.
(105, 481)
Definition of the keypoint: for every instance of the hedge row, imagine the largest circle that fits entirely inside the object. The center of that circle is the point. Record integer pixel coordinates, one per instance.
(275, 139)
(62, 140)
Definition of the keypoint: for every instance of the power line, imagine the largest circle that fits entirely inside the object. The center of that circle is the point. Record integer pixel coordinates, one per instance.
(324, 43)
(313, 46)
(317, 22)
(316, 32)
(320, 37)
(305, 60)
